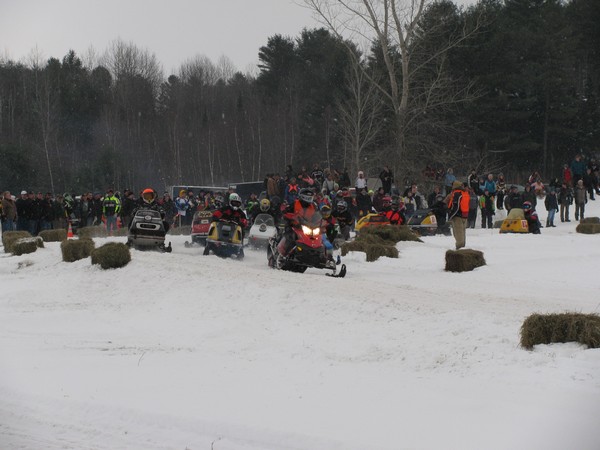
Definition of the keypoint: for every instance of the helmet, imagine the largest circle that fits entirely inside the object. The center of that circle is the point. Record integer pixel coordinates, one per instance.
(325, 211)
(148, 195)
(386, 201)
(265, 205)
(527, 206)
(182, 192)
(235, 201)
(306, 197)
(342, 206)
(219, 201)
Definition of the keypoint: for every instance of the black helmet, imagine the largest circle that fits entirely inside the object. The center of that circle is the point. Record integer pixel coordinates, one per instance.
(306, 196)
(342, 206)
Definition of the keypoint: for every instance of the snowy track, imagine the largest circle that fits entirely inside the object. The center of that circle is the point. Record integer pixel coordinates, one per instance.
(181, 351)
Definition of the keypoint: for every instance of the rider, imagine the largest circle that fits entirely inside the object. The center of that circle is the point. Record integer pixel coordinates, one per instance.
(303, 207)
(147, 200)
(395, 213)
(531, 216)
(344, 218)
(329, 222)
(232, 212)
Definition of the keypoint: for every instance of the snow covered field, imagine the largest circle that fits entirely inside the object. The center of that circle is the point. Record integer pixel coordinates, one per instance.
(182, 351)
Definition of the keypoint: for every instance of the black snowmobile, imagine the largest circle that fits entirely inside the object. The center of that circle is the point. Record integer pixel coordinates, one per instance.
(147, 231)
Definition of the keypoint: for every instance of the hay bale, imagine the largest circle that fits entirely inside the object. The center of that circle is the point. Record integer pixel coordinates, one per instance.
(112, 255)
(10, 237)
(498, 223)
(120, 232)
(375, 251)
(591, 220)
(97, 231)
(564, 327)
(53, 235)
(181, 231)
(76, 249)
(354, 246)
(391, 233)
(588, 228)
(25, 245)
(464, 260)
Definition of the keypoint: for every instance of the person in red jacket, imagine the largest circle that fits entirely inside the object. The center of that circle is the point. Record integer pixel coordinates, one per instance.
(232, 212)
(458, 212)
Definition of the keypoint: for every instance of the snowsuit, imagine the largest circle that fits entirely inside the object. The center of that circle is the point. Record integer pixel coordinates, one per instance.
(345, 222)
(473, 203)
(533, 222)
(111, 206)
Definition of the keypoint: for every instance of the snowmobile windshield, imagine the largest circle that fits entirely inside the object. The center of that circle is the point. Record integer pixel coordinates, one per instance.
(266, 219)
(313, 221)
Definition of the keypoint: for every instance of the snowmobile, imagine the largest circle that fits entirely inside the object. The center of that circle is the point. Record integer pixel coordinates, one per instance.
(371, 220)
(225, 239)
(262, 230)
(200, 228)
(423, 222)
(308, 250)
(147, 231)
(515, 222)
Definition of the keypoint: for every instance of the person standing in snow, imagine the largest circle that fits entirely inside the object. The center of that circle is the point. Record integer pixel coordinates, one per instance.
(458, 212)
(486, 204)
(551, 203)
(580, 197)
(111, 206)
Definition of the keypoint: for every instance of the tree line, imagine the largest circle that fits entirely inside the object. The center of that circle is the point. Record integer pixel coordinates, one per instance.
(508, 85)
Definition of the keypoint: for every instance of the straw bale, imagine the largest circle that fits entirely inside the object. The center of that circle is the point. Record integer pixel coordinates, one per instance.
(464, 260)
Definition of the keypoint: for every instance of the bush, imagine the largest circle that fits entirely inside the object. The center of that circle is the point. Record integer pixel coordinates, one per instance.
(26, 245)
(373, 246)
(565, 327)
(97, 231)
(181, 231)
(375, 251)
(53, 235)
(112, 255)
(588, 228)
(464, 260)
(391, 233)
(591, 220)
(10, 237)
(76, 249)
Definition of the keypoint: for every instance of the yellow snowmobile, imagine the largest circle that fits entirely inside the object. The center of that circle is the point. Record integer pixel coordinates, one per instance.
(515, 222)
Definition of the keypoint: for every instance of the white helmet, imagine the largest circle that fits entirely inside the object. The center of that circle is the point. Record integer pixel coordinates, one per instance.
(235, 201)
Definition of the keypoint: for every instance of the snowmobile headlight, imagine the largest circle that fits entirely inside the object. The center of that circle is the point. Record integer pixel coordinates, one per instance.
(306, 230)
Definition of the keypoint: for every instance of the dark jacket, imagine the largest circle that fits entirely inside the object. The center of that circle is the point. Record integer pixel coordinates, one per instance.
(551, 202)
(228, 213)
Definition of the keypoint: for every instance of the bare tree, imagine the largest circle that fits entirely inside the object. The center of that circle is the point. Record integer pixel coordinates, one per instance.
(394, 26)
(360, 115)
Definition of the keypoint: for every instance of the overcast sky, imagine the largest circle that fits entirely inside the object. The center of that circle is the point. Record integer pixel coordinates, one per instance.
(174, 30)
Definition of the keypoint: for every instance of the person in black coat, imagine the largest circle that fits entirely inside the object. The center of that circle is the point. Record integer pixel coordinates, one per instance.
(387, 178)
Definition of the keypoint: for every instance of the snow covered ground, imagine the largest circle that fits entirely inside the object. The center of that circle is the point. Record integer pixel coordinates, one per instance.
(182, 351)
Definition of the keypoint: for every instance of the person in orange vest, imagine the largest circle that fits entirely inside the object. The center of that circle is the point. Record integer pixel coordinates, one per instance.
(458, 212)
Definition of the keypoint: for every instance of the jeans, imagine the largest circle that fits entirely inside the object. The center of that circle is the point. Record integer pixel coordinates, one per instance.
(111, 224)
(550, 220)
(8, 225)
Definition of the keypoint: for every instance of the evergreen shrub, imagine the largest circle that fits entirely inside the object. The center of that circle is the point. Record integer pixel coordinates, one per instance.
(591, 220)
(112, 255)
(464, 260)
(564, 327)
(76, 249)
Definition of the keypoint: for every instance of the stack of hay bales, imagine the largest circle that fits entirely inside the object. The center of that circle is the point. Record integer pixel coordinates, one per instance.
(589, 225)
(98, 231)
(26, 245)
(112, 255)
(565, 327)
(76, 249)
(10, 237)
(464, 260)
(376, 242)
(58, 235)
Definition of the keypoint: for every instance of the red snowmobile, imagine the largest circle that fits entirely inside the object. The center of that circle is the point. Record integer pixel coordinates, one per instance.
(308, 249)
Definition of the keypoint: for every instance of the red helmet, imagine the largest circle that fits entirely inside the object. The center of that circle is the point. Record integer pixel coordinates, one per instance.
(386, 201)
